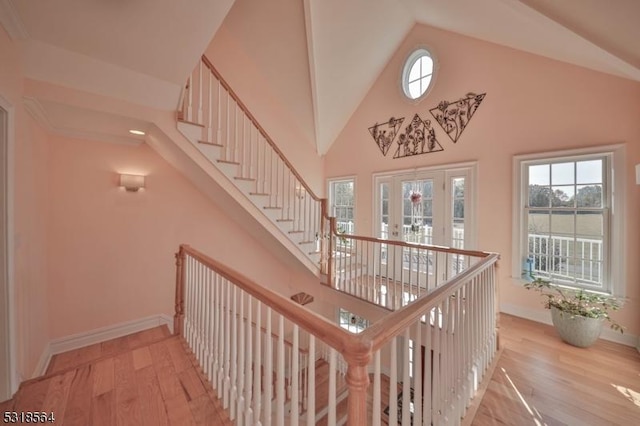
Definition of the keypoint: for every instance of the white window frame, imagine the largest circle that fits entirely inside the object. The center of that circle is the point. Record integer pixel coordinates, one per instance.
(411, 58)
(330, 191)
(614, 235)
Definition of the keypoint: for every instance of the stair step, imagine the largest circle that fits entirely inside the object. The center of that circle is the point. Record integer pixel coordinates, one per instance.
(247, 179)
(264, 194)
(193, 123)
(211, 143)
(228, 162)
(296, 232)
(272, 208)
(284, 220)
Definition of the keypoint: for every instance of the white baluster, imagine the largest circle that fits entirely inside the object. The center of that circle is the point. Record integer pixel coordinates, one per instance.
(227, 346)
(216, 332)
(257, 366)
(201, 94)
(248, 419)
(268, 371)
(190, 99)
(241, 363)
(219, 114)
(311, 382)
(376, 390)
(427, 379)
(210, 111)
(406, 381)
(234, 355)
(295, 386)
(417, 375)
(332, 387)
(280, 385)
(393, 382)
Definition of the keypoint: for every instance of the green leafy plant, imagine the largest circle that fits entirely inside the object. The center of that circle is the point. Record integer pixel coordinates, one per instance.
(577, 302)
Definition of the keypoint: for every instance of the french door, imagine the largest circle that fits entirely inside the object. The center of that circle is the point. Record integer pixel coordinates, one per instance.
(431, 207)
(426, 208)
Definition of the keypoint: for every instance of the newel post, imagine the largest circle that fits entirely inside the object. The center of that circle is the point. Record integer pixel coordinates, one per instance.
(324, 251)
(178, 318)
(357, 380)
(332, 223)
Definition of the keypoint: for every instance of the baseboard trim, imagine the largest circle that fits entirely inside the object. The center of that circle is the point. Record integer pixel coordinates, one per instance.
(545, 318)
(98, 335)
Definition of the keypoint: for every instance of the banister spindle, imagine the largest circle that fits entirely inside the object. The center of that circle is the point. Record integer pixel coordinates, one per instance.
(268, 371)
(200, 93)
(280, 385)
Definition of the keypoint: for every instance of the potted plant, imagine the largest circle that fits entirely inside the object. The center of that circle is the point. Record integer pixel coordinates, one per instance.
(578, 315)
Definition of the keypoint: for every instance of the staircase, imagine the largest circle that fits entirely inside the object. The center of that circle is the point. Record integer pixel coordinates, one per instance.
(216, 122)
(441, 299)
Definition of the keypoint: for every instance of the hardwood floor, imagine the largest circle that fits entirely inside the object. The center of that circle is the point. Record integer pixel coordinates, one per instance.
(149, 379)
(539, 380)
(145, 378)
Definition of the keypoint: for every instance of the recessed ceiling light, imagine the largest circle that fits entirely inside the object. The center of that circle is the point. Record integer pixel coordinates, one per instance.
(137, 132)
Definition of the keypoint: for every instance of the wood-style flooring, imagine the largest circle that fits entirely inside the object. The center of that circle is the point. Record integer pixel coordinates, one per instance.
(149, 378)
(539, 380)
(146, 378)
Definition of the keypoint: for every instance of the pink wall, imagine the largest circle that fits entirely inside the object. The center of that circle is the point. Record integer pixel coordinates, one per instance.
(254, 82)
(111, 251)
(533, 104)
(30, 236)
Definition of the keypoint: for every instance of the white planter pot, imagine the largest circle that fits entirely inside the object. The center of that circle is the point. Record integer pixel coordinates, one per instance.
(576, 330)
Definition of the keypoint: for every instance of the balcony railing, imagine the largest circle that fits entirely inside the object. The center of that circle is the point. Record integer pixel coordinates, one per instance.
(246, 338)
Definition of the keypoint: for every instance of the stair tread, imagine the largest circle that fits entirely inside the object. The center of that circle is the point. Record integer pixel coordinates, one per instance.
(247, 179)
(284, 220)
(259, 193)
(182, 120)
(210, 143)
(228, 162)
(272, 208)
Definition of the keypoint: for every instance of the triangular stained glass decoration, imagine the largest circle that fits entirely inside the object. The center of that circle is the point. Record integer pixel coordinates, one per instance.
(385, 133)
(418, 137)
(454, 116)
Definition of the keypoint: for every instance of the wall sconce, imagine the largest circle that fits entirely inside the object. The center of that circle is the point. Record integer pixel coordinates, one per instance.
(132, 183)
(638, 174)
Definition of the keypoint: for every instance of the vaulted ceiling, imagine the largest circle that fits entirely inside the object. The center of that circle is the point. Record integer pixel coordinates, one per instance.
(331, 51)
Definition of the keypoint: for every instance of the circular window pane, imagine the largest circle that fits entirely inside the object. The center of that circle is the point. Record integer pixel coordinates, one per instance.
(417, 74)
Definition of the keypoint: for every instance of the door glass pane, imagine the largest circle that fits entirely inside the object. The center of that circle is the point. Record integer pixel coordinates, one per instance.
(457, 231)
(417, 211)
(384, 209)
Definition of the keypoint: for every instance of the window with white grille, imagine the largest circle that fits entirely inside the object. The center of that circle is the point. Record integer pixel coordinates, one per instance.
(342, 202)
(568, 211)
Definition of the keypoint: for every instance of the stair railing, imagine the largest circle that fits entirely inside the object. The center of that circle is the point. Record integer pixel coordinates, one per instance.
(390, 273)
(210, 102)
(444, 341)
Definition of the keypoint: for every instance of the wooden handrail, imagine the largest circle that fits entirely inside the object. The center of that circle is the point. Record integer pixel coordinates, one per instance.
(263, 132)
(395, 322)
(442, 249)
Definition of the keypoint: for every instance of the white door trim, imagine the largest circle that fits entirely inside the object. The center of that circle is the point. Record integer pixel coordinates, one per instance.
(8, 313)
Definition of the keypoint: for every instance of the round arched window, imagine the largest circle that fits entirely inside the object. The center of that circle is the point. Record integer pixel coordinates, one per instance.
(417, 74)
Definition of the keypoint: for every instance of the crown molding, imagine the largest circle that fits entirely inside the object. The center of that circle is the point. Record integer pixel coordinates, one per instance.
(12, 22)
